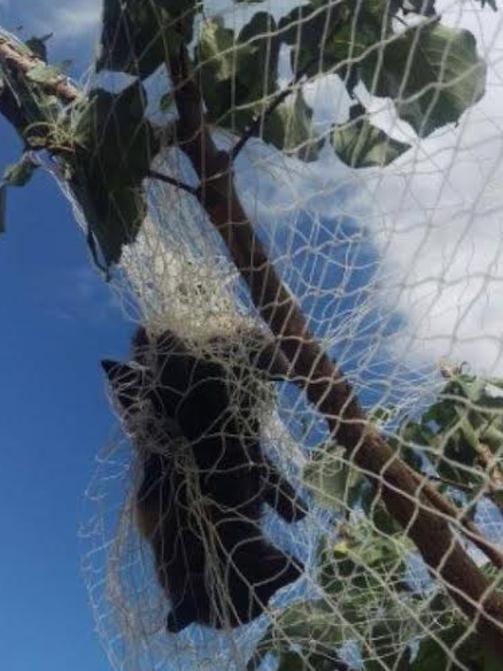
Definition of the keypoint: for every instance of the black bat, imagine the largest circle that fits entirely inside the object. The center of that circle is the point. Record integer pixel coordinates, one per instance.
(205, 476)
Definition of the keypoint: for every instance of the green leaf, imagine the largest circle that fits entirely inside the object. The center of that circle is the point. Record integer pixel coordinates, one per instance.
(239, 80)
(137, 37)
(114, 146)
(308, 620)
(216, 55)
(3, 207)
(469, 433)
(33, 112)
(20, 173)
(238, 74)
(291, 661)
(302, 630)
(327, 36)
(382, 414)
(359, 144)
(432, 73)
(457, 652)
(167, 102)
(130, 38)
(114, 217)
(290, 129)
(388, 650)
(354, 565)
(258, 53)
(112, 135)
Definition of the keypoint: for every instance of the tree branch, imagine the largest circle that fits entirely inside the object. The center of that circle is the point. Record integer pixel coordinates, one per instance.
(253, 129)
(153, 174)
(17, 57)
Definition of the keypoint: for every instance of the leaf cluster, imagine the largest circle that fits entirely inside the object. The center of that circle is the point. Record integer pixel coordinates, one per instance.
(460, 437)
(430, 72)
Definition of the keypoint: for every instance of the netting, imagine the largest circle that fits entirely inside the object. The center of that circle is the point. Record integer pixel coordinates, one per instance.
(230, 529)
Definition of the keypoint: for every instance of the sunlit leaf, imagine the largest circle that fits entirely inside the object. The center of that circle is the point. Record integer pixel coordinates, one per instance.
(452, 649)
(432, 72)
(290, 128)
(359, 144)
(238, 72)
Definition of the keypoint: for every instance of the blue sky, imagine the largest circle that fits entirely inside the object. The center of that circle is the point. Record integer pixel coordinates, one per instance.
(58, 320)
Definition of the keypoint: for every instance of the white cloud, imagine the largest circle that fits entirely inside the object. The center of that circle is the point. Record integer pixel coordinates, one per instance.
(436, 215)
(82, 18)
(441, 224)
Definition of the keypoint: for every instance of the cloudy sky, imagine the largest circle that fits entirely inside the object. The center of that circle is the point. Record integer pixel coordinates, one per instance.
(432, 220)
(434, 215)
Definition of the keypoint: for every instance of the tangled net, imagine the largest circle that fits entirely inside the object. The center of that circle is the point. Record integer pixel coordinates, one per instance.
(200, 296)
(387, 269)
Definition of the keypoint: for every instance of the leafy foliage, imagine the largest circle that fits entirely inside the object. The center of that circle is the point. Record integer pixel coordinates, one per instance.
(378, 610)
(324, 38)
(366, 568)
(460, 436)
(361, 145)
(432, 74)
(240, 77)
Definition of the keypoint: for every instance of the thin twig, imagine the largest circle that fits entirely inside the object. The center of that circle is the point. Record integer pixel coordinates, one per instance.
(258, 119)
(468, 526)
(193, 190)
(453, 483)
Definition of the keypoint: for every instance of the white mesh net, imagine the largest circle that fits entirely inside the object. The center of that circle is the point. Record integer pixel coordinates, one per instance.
(396, 265)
